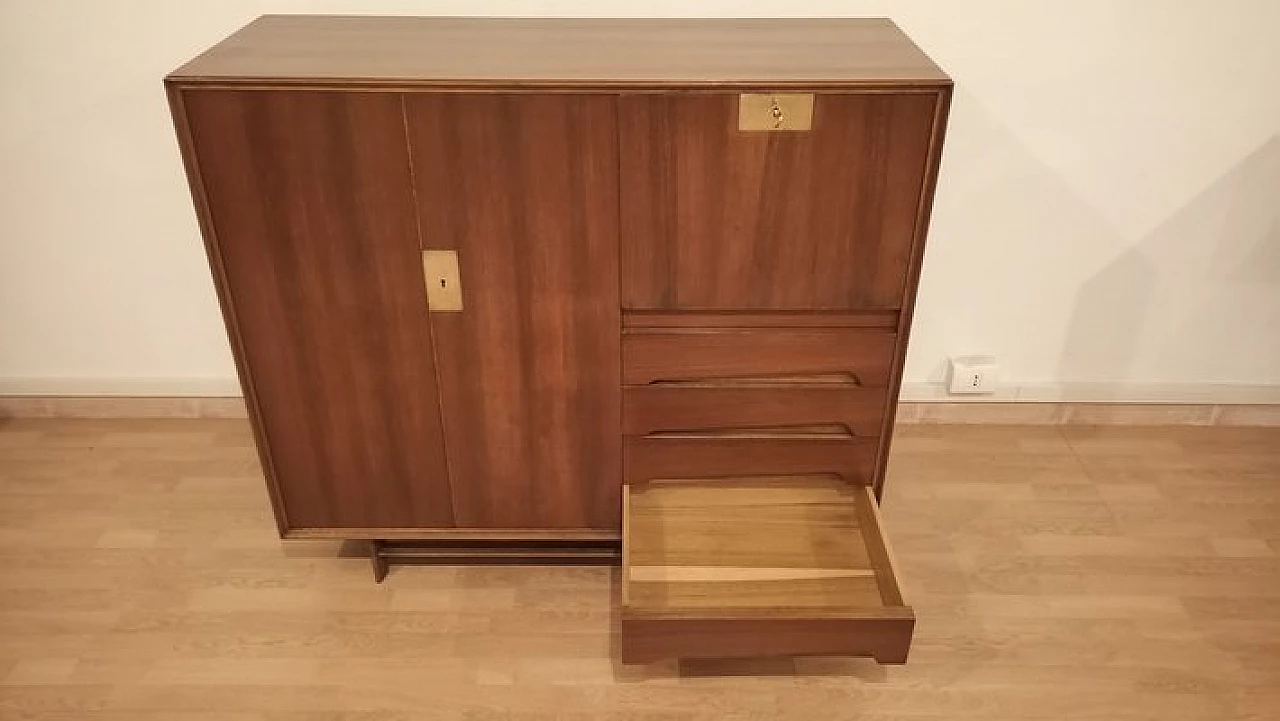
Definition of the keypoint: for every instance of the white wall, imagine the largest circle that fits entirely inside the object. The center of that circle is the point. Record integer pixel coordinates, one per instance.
(1106, 217)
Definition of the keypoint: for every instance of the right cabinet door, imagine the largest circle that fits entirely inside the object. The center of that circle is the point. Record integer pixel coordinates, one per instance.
(717, 218)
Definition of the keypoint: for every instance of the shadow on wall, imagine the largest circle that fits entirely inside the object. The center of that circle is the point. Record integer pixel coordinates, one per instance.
(1112, 309)
(1004, 215)
(1210, 270)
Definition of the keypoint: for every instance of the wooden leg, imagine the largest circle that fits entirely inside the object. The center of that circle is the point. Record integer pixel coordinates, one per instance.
(383, 553)
(380, 565)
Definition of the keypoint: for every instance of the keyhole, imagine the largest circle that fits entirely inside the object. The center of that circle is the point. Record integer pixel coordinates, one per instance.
(443, 282)
(776, 112)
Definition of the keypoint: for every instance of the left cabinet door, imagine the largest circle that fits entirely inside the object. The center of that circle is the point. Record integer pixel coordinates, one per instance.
(312, 234)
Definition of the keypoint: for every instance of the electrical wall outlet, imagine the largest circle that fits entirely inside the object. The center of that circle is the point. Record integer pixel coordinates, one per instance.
(972, 374)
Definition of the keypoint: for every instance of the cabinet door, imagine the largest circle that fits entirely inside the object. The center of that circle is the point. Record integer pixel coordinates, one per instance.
(717, 218)
(314, 244)
(524, 188)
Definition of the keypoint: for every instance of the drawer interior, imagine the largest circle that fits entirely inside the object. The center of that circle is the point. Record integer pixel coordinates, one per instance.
(760, 566)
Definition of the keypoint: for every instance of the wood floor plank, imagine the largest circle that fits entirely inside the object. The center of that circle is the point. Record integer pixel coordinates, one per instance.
(1086, 573)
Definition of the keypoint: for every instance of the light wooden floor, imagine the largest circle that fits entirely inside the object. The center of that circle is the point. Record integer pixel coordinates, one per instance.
(1076, 573)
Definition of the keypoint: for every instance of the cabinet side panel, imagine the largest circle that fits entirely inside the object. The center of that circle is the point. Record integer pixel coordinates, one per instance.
(920, 231)
(524, 188)
(195, 183)
(311, 207)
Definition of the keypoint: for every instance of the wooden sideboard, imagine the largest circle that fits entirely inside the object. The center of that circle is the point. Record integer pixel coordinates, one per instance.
(515, 283)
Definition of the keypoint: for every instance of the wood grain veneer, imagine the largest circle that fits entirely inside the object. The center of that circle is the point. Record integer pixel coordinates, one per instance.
(314, 246)
(641, 290)
(863, 355)
(711, 455)
(646, 409)
(548, 52)
(924, 210)
(791, 241)
(756, 319)
(715, 218)
(524, 188)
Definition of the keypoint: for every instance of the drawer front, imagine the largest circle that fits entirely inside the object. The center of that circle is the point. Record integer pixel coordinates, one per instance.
(646, 458)
(645, 640)
(758, 567)
(860, 356)
(812, 219)
(848, 408)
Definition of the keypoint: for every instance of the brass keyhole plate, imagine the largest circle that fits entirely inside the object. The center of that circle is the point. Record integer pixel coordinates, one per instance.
(444, 286)
(775, 111)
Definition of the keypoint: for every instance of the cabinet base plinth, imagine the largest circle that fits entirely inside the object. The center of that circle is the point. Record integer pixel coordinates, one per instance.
(384, 553)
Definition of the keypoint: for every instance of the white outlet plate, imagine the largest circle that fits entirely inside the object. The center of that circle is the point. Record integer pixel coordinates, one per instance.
(972, 374)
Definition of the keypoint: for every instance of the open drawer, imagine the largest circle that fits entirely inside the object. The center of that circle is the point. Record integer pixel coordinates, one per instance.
(765, 566)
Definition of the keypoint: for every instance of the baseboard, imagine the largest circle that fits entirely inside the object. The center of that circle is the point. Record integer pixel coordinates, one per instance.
(912, 392)
(1089, 393)
(24, 406)
(989, 412)
(170, 388)
(1091, 414)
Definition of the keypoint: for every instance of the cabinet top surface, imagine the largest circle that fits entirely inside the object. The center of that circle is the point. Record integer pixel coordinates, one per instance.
(565, 52)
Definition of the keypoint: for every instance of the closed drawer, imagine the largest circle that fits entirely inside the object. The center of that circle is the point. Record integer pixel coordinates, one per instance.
(859, 356)
(845, 407)
(712, 455)
(703, 403)
(758, 567)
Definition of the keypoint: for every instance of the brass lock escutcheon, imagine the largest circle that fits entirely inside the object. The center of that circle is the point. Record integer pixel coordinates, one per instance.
(775, 111)
(444, 285)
